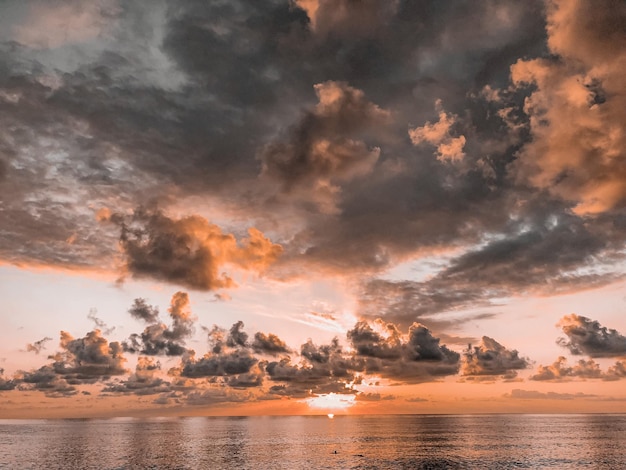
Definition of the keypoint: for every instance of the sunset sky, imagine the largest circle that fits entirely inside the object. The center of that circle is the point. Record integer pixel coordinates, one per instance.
(243, 207)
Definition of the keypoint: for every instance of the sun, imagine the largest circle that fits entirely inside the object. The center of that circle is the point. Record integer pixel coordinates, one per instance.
(331, 401)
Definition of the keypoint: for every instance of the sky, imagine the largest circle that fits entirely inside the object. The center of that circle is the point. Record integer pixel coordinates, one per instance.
(244, 207)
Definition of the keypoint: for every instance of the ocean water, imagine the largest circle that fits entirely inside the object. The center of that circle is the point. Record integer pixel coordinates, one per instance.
(317, 442)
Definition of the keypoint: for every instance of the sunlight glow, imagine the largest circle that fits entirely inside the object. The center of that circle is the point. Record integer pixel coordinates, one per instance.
(331, 401)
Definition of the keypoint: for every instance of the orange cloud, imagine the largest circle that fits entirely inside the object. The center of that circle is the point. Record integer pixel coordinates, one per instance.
(189, 251)
(439, 134)
(578, 109)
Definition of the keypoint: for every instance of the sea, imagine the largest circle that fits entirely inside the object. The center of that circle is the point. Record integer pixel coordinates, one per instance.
(318, 442)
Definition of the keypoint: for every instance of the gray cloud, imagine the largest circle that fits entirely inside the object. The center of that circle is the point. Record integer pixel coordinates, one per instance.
(6, 384)
(586, 336)
(141, 310)
(87, 359)
(157, 338)
(490, 359)
(142, 382)
(269, 344)
(47, 380)
(160, 102)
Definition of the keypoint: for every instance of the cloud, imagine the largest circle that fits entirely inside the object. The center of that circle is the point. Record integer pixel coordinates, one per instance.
(448, 148)
(559, 371)
(6, 384)
(490, 359)
(37, 346)
(90, 358)
(269, 344)
(52, 26)
(413, 358)
(188, 251)
(535, 395)
(581, 84)
(323, 369)
(143, 311)
(236, 336)
(157, 338)
(79, 361)
(99, 323)
(46, 380)
(142, 382)
(374, 397)
(218, 365)
(325, 149)
(586, 336)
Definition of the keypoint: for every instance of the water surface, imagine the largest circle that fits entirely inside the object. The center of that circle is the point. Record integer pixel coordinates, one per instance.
(360, 442)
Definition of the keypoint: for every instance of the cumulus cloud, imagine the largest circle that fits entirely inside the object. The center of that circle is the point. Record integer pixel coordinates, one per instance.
(582, 85)
(158, 338)
(79, 361)
(559, 371)
(90, 358)
(439, 134)
(269, 344)
(589, 337)
(189, 251)
(144, 311)
(231, 360)
(326, 368)
(412, 358)
(490, 359)
(46, 380)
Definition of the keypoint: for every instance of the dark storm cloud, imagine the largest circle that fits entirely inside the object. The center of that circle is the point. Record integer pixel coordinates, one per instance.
(37, 346)
(188, 251)
(158, 338)
(589, 337)
(490, 359)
